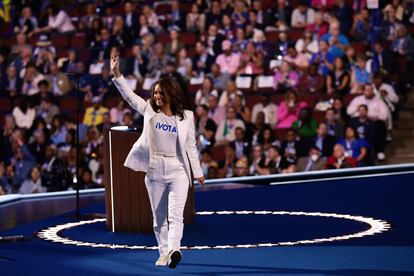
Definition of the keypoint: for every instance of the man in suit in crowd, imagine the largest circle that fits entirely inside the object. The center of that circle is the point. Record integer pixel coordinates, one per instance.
(323, 141)
(313, 162)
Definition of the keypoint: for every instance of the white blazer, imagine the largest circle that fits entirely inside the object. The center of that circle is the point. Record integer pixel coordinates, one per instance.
(142, 150)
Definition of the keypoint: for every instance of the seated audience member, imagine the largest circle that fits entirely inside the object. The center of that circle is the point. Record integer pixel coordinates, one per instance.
(390, 24)
(31, 79)
(195, 19)
(92, 141)
(323, 59)
(56, 174)
(267, 139)
(94, 114)
(241, 168)
(87, 181)
(173, 47)
(58, 130)
(291, 148)
(24, 114)
(303, 15)
(383, 60)
(215, 112)
(268, 108)
(229, 95)
(404, 43)
(239, 41)
(12, 82)
(207, 163)
(339, 160)
(26, 23)
(323, 140)
(242, 110)
(202, 60)
(251, 60)
(184, 65)
(47, 110)
(152, 18)
(205, 126)
(320, 27)
(225, 166)
(307, 45)
(340, 110)
(296, 59)
(44, 54)
(117, 112)
(363, 125)
(136, 65)
(360, 75)
(282, 43)
(226, 128)
(6, 132)
(313, 162)
(241, 145)
(387, 94)
(5, 187)
(228, 60)
(176, 18)
(362, 27)
(288, 110)
(207, 89)
(273, 162)
(338, 80)
(157, 61)
(343, 12)
(285, 77)
(220, 80)
(60, 84)
(33, 184)
(377, 112)
(106, 123)
(22, 161)
(305, 125)
(37, 145)
(45, 90)
(256, 156)
(58, 21)
(355, 147)
(70, 142)
(311, 81)
(256, 128)
(336, 40)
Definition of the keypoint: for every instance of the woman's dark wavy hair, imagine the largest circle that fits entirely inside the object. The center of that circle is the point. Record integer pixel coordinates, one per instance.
(173, 93)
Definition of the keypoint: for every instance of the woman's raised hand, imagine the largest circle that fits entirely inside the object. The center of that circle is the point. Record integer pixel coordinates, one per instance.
(114, 63)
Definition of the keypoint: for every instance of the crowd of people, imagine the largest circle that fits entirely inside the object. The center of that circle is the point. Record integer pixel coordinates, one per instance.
(247, 68)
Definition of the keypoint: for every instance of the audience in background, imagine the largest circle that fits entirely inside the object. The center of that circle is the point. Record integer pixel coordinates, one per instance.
(333, 78)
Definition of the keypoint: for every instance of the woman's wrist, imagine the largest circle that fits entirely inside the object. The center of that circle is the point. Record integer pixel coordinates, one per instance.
(117, 74)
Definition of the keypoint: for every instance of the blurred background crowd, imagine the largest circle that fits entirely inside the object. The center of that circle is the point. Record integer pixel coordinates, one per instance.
(277, 86)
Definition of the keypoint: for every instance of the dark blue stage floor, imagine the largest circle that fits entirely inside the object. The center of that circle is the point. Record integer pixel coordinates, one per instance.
(384, 198)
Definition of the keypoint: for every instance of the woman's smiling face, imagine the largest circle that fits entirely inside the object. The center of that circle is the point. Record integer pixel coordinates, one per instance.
(159, 96)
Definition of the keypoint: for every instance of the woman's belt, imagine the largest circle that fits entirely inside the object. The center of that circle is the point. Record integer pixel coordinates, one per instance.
(167, 154)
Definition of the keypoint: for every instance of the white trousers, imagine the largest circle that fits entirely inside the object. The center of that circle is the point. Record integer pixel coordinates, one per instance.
(167, 184)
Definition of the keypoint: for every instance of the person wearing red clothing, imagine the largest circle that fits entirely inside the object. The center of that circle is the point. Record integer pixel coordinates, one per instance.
(338, 160)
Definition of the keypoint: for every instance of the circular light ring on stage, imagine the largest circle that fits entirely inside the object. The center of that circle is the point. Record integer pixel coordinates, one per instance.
(376, 226)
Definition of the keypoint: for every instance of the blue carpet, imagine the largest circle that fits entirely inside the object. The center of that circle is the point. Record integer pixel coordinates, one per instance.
(390, 253)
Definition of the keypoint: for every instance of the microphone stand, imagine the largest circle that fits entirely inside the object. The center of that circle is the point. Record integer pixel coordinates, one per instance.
(78, 110)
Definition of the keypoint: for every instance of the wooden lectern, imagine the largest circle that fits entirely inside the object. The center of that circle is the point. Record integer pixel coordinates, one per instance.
(126, 198)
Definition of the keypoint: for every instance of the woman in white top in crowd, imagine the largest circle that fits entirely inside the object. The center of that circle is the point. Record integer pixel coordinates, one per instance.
(58, 21)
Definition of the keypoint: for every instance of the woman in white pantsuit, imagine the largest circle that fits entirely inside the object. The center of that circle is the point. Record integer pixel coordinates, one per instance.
(167, 151)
